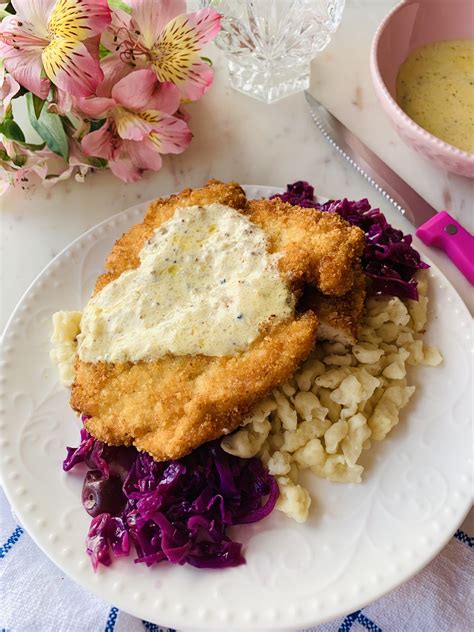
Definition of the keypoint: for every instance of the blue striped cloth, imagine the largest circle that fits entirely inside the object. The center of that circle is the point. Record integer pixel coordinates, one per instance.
(439, 599)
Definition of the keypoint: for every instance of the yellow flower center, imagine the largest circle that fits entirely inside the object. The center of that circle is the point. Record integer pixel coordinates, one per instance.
(174, 51)
(67, 21)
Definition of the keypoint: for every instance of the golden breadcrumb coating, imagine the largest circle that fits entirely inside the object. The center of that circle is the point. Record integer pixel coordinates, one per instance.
(339, 316)
(318, 248)
(172, 405)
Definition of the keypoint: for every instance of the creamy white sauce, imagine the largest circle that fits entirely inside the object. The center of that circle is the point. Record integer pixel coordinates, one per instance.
(205, 285)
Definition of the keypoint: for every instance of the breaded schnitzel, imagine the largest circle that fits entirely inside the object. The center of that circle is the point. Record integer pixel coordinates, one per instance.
(173, 404)
(318, 249)
(339, 316)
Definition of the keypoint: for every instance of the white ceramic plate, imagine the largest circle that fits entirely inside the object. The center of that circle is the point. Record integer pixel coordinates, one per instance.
(360, 541)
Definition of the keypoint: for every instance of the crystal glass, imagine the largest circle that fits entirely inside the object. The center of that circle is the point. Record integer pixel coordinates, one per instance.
(269, 44)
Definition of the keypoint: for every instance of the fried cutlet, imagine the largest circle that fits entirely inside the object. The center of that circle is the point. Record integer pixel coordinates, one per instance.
(339, 316)
(170, 406)
(318, 248)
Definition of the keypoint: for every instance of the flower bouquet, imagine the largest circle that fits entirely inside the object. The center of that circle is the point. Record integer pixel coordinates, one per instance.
(104, 83)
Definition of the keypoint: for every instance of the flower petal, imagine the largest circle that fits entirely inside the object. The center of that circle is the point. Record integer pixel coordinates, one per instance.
(198, 81)
(124, 169)
(36, 12)
(76, 155)
(118, 29)
(171, 135)
(15, 32)
(135, 90)
(27, 71)
(132, 126)
(114, 70)
(77, 21)
(71, 67)
(25, 67)
(94, 107)
(176, 51)
(143, 154)
(151, 17)
(13, 149)
(166, 98)
(183, 114)
(51, 180)
(8, 88)
(101, 142)
(62, 104)
(20, 49)
(205, 25)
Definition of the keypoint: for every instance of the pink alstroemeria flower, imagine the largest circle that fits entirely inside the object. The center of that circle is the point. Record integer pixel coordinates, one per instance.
(17, 163)
(8, 88)
(139, 125)
(58, 37)
(161, 36)
(77, 165)
(23, 163)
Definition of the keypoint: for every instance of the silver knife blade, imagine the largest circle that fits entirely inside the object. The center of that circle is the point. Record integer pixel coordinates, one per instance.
(377, 173)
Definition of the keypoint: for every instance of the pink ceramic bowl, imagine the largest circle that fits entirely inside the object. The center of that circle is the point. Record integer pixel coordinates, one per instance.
(411, 24)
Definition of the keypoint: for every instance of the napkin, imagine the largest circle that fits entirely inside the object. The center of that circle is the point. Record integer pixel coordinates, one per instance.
(37, 597)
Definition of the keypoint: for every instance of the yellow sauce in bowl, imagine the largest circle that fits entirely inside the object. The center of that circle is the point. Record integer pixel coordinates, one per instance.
(435, 87)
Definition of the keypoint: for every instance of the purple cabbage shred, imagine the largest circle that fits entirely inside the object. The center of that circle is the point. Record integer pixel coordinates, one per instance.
(178, 511)
(389, 259)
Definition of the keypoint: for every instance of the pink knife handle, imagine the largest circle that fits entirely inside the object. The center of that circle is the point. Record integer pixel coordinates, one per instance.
(443, 231)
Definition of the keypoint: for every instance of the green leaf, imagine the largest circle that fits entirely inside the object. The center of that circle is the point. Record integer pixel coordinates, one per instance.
(37, 105)
(11, 130)
(98, 163)
(95, 125)
(9, 8)
(33, 146)
(8, 112)
(103, 52)
(119, 4)
(19, 161)
(50, 127)
(21, 92)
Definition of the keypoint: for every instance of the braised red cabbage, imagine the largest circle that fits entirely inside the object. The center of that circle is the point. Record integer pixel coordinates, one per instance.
(389, 259)
(178, 511)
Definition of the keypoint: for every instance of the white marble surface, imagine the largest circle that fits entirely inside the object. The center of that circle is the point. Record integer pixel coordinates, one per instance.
(241, 139)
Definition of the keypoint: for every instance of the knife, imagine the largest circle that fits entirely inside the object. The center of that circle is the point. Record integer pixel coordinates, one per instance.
(437, 229)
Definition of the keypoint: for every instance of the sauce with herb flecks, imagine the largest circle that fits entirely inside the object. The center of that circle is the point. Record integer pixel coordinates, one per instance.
(206, 284)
